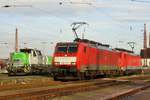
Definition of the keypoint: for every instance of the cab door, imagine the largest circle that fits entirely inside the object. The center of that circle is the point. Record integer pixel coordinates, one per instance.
(34, 57)
(41, 59)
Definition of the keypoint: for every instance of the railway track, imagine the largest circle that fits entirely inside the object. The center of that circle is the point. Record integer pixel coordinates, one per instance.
(45, 93)
(60, 89)
(128, 93)
(51, 93)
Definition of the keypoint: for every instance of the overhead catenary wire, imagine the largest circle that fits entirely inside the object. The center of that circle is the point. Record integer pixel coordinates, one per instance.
(103, 11)
(141, 1)
(77, 2)
(114, 19)
(23, 43)
(47, 12)
(31, 29)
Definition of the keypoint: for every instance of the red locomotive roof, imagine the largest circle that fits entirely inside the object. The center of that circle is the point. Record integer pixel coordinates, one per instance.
(125, 50)
(95, 44)
(91, 42)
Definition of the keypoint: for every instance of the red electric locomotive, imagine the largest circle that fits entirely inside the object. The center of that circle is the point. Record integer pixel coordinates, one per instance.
(87, 59)
(84, 59)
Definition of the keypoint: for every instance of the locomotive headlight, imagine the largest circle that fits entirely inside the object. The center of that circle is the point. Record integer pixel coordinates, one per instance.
(73, 63)
(57, 63)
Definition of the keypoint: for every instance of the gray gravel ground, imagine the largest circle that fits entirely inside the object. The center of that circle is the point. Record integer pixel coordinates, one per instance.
(143, 95)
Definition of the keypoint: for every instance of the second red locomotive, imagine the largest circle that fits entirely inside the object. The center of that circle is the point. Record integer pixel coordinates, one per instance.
(84, 59)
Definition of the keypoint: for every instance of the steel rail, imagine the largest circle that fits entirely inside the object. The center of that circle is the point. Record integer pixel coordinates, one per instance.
(57, 92)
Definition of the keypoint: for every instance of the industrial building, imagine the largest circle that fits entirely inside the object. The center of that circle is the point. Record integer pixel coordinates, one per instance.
(145, 52)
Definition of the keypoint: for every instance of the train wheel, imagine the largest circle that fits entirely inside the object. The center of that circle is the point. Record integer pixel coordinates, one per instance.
(27, 69)
(92, 75)
(11, 74)
(81, 75)
(87, 75)
(55, 78)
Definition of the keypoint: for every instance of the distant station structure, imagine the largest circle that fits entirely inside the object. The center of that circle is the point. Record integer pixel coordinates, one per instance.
(3, 64)
(145, 52)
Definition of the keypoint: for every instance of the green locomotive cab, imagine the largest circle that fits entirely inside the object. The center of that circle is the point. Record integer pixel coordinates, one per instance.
(19, 63)
(28, 61)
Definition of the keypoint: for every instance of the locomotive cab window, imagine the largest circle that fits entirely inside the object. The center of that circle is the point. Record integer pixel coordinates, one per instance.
(72, 49)
(34, 54)
(25, 50)
(61, 49)
(39, 53)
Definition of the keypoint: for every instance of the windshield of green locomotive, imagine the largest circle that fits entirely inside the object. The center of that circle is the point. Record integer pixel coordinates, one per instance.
(25, 50)
(67, 48)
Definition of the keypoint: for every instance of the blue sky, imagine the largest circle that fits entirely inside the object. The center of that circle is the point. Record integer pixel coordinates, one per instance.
(43, 23)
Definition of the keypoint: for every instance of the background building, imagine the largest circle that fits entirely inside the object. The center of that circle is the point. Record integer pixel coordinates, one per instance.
(145, 52)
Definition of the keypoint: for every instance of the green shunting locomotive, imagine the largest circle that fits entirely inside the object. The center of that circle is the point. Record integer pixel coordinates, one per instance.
(29, 61)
